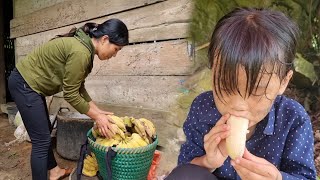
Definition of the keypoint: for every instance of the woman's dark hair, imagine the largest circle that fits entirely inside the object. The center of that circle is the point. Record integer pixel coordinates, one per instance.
(255, 39)
(116, 30)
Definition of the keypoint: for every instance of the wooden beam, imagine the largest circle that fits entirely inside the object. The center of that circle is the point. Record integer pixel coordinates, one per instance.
(70, 12)
(2, 59)
(155, 92)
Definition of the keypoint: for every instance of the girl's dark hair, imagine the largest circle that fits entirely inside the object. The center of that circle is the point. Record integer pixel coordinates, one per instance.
(116, 30)
(257, 40)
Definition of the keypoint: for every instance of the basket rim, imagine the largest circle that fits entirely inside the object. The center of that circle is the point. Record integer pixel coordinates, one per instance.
(121, 150)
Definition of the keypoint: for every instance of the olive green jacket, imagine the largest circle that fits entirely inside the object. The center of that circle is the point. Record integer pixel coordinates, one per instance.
(61, 64)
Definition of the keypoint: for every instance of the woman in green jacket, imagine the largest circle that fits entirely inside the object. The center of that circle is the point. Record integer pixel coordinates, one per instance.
(62, 64)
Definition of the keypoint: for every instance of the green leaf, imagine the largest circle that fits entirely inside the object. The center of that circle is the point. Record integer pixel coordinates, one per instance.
(305, 68)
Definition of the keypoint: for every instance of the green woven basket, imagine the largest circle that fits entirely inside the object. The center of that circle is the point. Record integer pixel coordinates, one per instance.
(128, 163)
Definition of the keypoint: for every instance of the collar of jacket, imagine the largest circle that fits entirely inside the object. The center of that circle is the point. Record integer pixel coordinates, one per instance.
(85, 40)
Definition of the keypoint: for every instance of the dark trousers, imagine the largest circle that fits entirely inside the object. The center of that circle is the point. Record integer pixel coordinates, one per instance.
(35, 116)
(190, 172)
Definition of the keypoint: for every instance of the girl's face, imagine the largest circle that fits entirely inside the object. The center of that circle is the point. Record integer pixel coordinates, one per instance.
(256, 106)
(105, 50)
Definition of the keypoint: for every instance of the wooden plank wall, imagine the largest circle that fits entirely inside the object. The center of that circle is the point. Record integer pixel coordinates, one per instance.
(24, 7)
(148, 73)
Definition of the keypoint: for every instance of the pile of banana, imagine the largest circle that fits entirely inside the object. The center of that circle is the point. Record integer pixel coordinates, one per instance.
(90, 165)
(129, 132)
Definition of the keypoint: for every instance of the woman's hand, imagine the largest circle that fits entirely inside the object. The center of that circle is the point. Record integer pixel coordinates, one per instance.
(253, 167)
(102, 120)
(103, 124)
(215, 144)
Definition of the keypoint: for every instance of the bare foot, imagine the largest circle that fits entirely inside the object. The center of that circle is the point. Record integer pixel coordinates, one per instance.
(56, 173)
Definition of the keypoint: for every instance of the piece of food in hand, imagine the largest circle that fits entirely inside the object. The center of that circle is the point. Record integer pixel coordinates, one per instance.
(236, 141)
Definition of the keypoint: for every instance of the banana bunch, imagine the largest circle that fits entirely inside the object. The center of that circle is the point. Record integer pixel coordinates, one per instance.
(90, 166)
(118, 122)
(133, 141)
(145, 128)
(109, 142)
(117, 126)
(130, 132)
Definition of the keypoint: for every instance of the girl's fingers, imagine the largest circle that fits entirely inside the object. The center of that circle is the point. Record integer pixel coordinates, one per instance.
(216, 129)
(211, 145)
(220, 126)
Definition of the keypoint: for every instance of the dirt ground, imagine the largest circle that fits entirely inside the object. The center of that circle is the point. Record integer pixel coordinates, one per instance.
(15, 159)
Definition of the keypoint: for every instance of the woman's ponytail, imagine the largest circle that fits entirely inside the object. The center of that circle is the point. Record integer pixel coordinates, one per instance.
(88, 28)
(115, 29)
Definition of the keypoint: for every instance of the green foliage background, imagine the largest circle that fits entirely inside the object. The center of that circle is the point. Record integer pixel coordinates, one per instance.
(305, 12)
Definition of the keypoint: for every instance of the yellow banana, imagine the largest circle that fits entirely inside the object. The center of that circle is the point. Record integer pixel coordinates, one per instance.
(90, 159)
(107, 142)
(90, 166)
(133, 141)
(117, 137)
(127, 121)
(139, 127)
(122, 144)
(149, 127)
(118, 121)
(147, 140)
(132, 144)
(137, 138)
(95, 131)
(88, 172)
(118, 130)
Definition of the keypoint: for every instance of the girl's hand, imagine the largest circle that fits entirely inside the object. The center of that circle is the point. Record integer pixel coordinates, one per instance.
(253, 167)
(215, 143)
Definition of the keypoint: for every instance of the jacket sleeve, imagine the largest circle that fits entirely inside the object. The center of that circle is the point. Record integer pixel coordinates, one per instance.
(75, 74)
(84, 92)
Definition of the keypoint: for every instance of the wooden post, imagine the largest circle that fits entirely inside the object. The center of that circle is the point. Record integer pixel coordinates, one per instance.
(2, 60)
